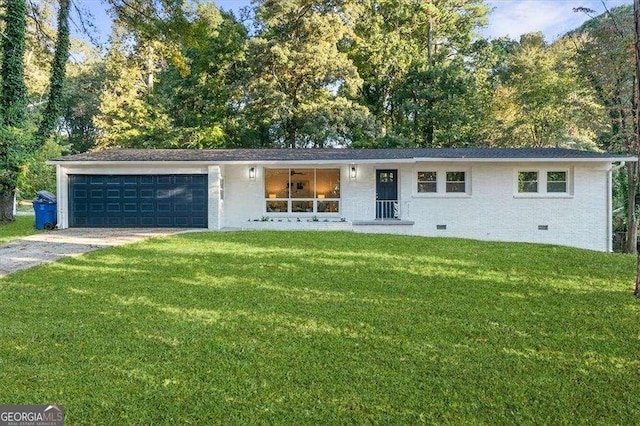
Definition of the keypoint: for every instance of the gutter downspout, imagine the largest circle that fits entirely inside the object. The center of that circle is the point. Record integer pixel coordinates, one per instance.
(610, 172)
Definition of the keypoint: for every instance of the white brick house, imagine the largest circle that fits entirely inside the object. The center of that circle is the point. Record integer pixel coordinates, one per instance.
(554, 196)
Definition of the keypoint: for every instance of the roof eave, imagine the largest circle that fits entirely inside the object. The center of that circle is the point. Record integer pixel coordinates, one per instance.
(342, 161)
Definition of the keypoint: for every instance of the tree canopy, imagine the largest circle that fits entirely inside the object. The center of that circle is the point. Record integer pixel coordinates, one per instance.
(308, 73)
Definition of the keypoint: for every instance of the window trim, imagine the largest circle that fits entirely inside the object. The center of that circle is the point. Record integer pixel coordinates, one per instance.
(542, 182)
(441, 181)
(290, 200)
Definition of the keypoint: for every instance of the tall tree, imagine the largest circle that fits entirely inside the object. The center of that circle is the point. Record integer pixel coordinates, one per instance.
(182, 97)
(604, 54)
(84, 81)
(421, 62)
(53, 110)
(13, 99)
(13, 103)
(298, 75)
(199, 98)
(541, 101)
(127, 115)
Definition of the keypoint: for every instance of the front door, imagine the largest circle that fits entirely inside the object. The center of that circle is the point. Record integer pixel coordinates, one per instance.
(386, 194)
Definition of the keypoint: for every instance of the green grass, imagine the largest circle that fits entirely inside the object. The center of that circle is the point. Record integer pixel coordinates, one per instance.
(21, 227)
(290, 328)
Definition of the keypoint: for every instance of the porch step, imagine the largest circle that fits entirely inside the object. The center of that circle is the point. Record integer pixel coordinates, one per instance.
(383, 222)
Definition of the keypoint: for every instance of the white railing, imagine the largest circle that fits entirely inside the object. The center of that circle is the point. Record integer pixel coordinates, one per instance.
(387, 209)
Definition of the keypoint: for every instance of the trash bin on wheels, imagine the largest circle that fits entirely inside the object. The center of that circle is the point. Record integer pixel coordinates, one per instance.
(46, 210)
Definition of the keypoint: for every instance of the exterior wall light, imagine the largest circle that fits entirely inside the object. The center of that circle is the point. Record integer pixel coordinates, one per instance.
(352, 172)
(252, 173)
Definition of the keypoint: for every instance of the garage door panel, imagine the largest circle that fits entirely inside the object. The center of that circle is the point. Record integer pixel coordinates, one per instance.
(96, 221)
(96, 208)
(146, 208)
(131, 222)
(130, 193)
(147, 193)
(138, 201)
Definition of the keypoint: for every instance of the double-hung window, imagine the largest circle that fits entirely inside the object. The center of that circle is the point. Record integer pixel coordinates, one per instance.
(551, 182)
(439, 181)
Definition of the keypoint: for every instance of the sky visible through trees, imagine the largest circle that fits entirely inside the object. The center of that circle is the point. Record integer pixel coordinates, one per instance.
(510, 18)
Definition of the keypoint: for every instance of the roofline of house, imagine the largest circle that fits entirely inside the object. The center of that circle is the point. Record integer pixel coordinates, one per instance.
(345, 161)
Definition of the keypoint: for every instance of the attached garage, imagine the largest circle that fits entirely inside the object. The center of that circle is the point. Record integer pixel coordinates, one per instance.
(128, 201)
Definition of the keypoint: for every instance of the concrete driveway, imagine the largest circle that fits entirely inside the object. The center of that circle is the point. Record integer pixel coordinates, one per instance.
(50, 246)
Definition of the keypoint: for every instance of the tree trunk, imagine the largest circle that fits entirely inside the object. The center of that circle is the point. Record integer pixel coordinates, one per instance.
(13, 99)
(636, 144)
(150, 69)
(6, 206)
(290, 133)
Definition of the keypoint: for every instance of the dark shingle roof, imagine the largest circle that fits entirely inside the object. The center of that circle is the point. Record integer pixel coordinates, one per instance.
(331, 154)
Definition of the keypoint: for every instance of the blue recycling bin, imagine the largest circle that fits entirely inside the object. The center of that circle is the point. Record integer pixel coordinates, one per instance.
(46, 214)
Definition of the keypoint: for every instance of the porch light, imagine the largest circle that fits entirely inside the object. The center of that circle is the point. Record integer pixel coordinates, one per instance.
(352, 172)
(252, 173)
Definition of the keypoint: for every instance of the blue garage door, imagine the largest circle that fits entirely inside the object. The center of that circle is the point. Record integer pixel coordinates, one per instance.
(107, 201)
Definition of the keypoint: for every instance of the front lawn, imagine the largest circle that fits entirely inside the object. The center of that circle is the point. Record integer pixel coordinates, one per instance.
(21, 227)
(290, 328)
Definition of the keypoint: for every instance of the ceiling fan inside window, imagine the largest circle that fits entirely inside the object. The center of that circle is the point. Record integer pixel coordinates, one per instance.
(293, 172)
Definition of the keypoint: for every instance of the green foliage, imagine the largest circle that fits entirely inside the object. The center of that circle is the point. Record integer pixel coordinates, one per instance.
(35, 175)
(299, 77)
(606, 64)
(127, 118)
(422, 68)
(326, 328)
(38, 52)
(541, 101)
(81, 103)
(199, 99)
(13, 98)
(53, 109)
(187, 102)
(315, 73)
(16, 144)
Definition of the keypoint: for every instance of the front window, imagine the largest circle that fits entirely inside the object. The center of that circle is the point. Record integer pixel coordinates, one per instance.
(427, 181)
(527, 181)
(455, 182)
(302, 190)
(556, 181)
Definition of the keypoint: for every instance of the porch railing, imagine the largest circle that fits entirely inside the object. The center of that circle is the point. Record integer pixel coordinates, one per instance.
(387, 209)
